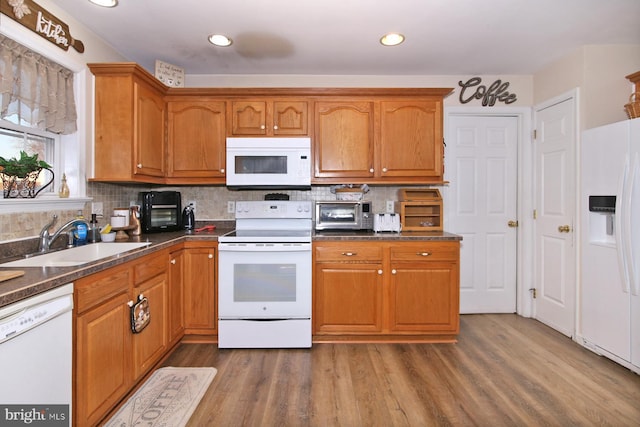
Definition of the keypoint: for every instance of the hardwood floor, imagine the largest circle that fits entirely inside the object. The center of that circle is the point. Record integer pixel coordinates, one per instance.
(505, 370)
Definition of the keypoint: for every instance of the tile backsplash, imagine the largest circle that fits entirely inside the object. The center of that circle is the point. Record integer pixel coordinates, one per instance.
(211, 204)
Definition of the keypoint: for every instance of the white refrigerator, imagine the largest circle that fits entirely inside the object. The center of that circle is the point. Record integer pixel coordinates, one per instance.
(610, 241)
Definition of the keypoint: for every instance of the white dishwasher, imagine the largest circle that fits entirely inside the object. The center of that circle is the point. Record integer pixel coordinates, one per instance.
(36, 358)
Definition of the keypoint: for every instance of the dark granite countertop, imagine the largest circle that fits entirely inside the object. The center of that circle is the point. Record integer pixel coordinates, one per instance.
(370, 235)
(40, 279)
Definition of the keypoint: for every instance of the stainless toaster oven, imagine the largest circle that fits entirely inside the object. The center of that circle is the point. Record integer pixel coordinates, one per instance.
(343, 215)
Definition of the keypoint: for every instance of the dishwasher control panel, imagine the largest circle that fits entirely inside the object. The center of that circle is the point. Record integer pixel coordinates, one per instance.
(29, 317)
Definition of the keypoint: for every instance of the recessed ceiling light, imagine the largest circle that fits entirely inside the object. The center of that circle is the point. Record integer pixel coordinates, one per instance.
(105, 3)
(392, 39)
(220, 40)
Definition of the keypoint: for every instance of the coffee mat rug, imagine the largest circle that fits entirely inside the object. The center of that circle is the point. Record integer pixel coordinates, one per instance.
(167, 398)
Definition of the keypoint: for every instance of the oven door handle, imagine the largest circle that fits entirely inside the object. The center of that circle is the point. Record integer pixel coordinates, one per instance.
(264, 247)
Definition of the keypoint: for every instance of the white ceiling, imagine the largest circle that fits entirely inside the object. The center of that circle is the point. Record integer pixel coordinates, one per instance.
(443, 37)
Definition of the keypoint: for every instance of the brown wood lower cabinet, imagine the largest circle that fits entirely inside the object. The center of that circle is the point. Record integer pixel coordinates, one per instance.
(386, 291)
(200, 291)
(109, 358)
(176, 295)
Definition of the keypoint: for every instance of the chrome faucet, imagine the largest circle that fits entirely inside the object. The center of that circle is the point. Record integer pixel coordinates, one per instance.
(47, 239)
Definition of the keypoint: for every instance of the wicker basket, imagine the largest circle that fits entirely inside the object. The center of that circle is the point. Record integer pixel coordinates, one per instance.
(633, 107)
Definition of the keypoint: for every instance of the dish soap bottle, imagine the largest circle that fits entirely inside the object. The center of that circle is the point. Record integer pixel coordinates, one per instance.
(80, 235)
(64, 188)
(94, 231)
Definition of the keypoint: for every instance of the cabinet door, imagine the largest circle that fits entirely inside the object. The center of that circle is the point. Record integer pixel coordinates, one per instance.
(249, 118)
(344, 139)
(290, 118)
(411, 143)
(176, 295)
(347, 298)
(196, 143)
(149, 135)
(149, 345)
(199, 291)
(424, 297)
(103, 358)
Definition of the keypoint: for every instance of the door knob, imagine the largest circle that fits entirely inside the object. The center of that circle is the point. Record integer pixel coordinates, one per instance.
(564, 228)
(512, 224)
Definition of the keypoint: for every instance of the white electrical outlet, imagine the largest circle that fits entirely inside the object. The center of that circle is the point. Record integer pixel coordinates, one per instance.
(192, 203)
(231, 207)
(97, 208)
(390, 206)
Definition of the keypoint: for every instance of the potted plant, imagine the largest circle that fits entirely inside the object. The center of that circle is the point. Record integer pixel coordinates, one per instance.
(19, 176)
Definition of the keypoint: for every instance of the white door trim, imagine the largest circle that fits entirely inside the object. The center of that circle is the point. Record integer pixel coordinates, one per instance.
(574, 95)
(525, 246)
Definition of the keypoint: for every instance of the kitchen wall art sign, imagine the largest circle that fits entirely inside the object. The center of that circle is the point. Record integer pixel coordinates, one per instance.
(40, 21)
(170, 75)
(496, 92)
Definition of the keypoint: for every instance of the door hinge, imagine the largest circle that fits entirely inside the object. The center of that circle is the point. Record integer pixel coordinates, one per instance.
(535, 214)
(535, 134)
(534, 293)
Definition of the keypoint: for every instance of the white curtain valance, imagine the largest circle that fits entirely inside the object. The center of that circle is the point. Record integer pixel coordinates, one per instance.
(38, 90)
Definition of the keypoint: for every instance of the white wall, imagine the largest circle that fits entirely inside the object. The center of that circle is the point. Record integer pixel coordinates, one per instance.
(521, 85)
(599, 72)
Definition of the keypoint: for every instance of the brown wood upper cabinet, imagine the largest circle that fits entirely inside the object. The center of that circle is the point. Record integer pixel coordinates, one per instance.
(129, 124)
(147, 132)
(380, 140)
(268, 117)
(344, 140)
(196, 140)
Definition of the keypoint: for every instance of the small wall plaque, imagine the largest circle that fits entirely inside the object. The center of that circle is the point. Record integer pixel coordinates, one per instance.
(170, 75)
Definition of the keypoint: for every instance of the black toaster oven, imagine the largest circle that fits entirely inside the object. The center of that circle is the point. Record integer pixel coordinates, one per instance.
(161, 211)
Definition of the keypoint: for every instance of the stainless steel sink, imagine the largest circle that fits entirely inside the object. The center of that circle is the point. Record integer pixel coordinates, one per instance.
(77, 256)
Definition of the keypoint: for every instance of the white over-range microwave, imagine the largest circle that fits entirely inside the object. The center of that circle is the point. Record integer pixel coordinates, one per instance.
(269, 163)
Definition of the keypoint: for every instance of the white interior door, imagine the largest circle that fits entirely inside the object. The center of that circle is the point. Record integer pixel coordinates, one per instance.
(555, 209)
(481, 158)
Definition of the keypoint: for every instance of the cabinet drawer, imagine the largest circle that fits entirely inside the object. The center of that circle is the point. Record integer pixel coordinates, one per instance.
(149, 267)
(427, 251)
(348, 252)
(93, 290)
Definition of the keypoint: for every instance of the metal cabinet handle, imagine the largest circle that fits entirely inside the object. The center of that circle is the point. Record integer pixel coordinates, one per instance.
(130, 303)
(393, 271)
(371, 170)
(423, 253)
(263, 127)
(379, 271)
(349, 253)
(221, 170)
(384, 169)
(512, 224)
(564, 229)
(210, 256)
(275, 127)
(139, 165)
(173, 261)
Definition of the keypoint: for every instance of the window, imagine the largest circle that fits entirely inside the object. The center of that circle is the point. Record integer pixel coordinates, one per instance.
(14, 138)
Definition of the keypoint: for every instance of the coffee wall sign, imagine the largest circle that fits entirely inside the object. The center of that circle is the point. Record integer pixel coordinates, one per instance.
(40, 21)
(496, 92)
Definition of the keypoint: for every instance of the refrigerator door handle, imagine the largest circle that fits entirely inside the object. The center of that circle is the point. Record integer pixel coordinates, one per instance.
(631, 225)
(620, 222)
